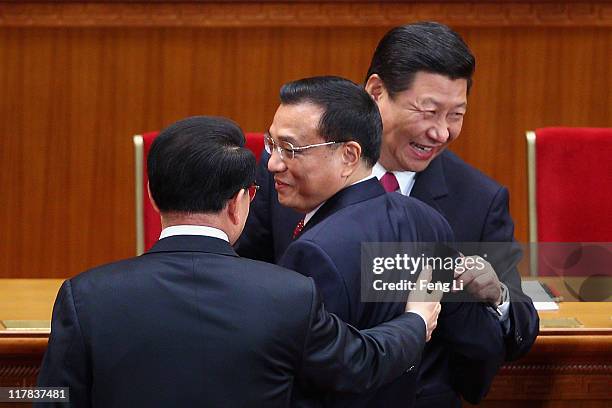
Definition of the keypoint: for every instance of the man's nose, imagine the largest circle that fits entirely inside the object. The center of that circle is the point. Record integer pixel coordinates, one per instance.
(276, 164)
(439, 132)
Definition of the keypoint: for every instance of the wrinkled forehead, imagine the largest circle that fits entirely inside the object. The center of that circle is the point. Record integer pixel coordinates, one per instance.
(297, 124)
(436, 90)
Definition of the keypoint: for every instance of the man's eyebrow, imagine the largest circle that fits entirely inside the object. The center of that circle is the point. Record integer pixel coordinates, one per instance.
(428, 101)
(288, 139)
(435, 102)
(282, 138)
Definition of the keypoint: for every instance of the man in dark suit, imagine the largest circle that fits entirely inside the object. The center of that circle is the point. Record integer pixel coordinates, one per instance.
(419, 77)
(189, 323)
(324, 140)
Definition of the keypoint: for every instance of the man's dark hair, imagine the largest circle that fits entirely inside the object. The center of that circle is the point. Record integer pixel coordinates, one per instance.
(197, 164)
(349, 113)
(426, 46)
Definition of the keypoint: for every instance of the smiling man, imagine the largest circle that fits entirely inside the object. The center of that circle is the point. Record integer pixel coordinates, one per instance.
(421, 120)
(323, 142)
(298, 177)
(189, 323)
(419, 77)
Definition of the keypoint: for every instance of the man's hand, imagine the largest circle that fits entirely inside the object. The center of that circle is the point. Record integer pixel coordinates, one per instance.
(427, 305)
(480, 279)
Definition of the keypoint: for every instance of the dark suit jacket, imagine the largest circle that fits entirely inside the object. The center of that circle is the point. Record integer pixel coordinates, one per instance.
(190, 323)
(329, 251)
(476, 207)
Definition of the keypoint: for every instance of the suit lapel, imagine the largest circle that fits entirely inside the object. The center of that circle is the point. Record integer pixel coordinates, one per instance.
(353, 194)
(430, 184)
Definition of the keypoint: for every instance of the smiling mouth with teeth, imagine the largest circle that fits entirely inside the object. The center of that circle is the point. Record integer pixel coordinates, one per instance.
(421, 147)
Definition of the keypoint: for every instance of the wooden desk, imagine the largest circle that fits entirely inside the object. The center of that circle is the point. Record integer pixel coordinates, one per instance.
(569, 367)
(21, 351)
(565, 368)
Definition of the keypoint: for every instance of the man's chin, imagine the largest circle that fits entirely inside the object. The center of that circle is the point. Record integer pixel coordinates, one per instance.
(286, 201)
(292, 204)
(416, 165)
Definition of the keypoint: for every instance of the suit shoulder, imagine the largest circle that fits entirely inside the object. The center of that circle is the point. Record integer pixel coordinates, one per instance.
(104, 271)
(466, 177)
(427, 219)
(275, 274)
(115, 272)
(411, 204)
(415, 209)
(276, 284)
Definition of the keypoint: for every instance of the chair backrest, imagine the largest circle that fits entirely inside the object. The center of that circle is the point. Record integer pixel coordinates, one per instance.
(570, 185)
(148, 226)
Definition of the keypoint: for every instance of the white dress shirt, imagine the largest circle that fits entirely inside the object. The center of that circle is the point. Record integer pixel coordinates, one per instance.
(193, 230)
(405, 179)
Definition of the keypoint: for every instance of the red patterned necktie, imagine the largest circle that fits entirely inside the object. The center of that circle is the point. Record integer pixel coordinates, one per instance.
(298, 228)
(389, 182)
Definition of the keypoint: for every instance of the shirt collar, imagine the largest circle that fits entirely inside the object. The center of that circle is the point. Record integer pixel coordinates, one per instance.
(311, 214)
(193, 230)
(405, 179)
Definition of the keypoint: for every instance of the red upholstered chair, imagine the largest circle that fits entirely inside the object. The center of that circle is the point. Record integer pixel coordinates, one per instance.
(570, 186)
(148, 225)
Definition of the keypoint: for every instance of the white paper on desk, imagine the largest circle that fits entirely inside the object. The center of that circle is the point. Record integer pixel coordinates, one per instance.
(546, 306)
(541, 299)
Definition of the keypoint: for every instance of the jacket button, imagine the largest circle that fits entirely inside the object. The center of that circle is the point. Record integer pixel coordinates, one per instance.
(410, 369)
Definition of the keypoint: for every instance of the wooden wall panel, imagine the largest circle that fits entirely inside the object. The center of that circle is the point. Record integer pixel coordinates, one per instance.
(76, 85)
(528, 78)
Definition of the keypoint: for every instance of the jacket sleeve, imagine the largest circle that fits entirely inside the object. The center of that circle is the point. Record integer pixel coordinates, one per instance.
(524, 321)
(473, 335)
(474, 338)
(341, 358)
(476, 359)
(65, 363)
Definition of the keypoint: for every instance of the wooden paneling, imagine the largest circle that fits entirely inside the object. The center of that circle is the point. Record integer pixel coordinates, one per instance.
(528, 78)
(77, 81)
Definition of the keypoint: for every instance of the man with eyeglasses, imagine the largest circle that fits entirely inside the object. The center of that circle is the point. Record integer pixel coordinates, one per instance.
(419, 77)
(189, 323)
(323, 142)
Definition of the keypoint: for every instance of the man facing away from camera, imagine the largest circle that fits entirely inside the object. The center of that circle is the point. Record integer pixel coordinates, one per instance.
(189, 323)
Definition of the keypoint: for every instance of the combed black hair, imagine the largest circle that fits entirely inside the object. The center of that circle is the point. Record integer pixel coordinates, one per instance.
(197, 164)
(426, 46)
(349, 113)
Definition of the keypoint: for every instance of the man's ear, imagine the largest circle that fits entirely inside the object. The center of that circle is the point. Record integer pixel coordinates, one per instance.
(375, 87)
(234, 205)
(153, 203)
(351, 155)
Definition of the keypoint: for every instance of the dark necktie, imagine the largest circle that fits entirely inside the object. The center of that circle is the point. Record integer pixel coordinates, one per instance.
(298, 228)
(389, 182)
